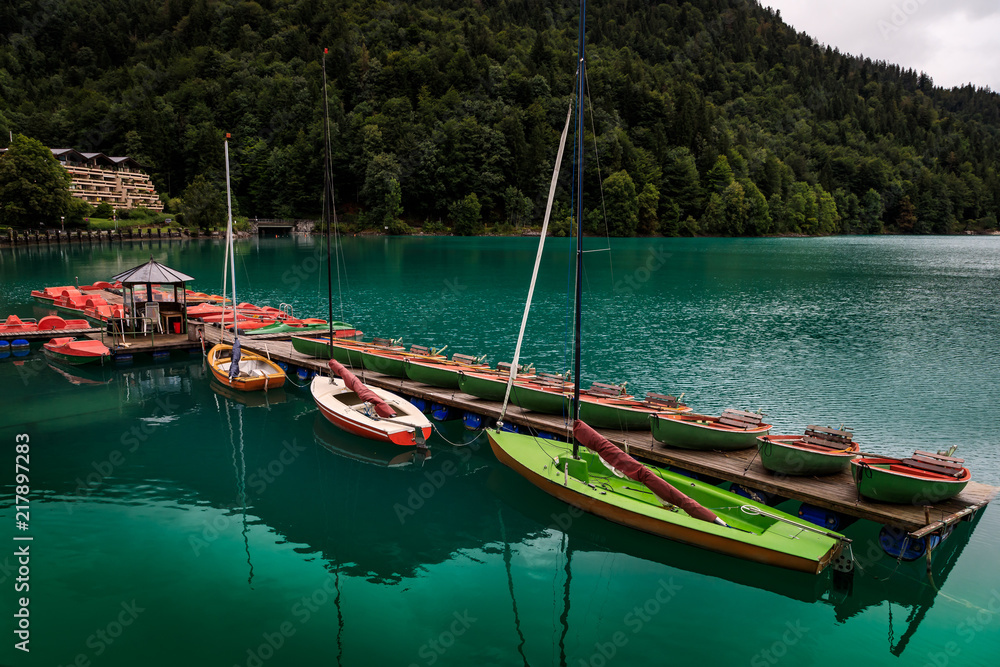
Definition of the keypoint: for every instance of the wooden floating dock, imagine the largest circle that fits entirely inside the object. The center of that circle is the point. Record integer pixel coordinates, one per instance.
(833, 492)
(49, 334)
(145, 343)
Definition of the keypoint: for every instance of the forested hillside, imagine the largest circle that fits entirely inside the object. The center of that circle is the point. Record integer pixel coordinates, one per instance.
(711, 116)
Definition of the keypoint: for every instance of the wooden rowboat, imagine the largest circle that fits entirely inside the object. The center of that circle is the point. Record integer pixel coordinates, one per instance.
(345, 350)
(821, 451)
(255, 372)
(444, 374)
(733, 430)
(923, 479)
(601, 406)
(391, 360)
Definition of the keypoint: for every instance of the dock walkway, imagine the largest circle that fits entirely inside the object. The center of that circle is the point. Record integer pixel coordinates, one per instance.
(834, 492)
(48, 334)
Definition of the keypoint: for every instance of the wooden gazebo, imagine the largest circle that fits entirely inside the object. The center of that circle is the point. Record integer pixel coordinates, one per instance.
(149, 274)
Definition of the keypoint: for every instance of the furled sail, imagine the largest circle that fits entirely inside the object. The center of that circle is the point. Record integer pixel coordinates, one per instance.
(364, 393)
(234, 363)
(621, 461)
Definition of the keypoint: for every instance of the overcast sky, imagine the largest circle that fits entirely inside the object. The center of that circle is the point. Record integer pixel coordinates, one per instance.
(954, 41)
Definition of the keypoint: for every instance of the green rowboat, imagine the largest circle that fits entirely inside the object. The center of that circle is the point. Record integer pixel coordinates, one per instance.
(390, 361)
(551, 400)
(753, 531)
(902, 481)
(734, 430)
(444, 374)
(818, 452)
(283, 327)
(373, 359)
(597, 407)
(623, 414)
(345, 351)
(490, 387)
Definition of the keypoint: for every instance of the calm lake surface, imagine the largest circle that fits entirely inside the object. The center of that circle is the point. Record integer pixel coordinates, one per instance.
(173, 525)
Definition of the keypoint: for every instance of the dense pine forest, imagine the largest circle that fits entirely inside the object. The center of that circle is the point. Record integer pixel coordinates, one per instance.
(710, 117)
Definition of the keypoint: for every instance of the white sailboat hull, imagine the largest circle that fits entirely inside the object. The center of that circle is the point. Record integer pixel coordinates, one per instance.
(344, 409)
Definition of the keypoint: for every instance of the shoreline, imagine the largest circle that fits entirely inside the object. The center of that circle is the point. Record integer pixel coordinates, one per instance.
(58, 237)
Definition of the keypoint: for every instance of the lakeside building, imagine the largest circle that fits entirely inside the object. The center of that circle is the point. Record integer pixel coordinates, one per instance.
(118, 181)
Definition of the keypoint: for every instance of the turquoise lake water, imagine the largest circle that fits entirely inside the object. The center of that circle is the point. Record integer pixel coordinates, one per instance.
(173, 525)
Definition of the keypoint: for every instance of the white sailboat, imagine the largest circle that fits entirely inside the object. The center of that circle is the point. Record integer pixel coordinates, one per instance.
(345, 400)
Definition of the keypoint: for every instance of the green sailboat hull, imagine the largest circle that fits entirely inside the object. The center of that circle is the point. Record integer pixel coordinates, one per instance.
(790, 460)
(700, 435)
(588, 485)
(877, 482)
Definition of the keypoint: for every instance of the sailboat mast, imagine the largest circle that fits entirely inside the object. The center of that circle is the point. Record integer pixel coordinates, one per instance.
(579, 222)
(327, 201)
(230, 249)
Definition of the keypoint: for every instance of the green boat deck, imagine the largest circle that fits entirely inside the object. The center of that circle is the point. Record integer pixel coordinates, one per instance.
(833, 492)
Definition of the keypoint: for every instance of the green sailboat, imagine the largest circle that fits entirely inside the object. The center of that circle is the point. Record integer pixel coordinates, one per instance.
(752, 531)
(654, 501)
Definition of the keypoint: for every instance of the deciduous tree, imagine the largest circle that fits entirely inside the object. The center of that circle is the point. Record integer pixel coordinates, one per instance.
(34, 187)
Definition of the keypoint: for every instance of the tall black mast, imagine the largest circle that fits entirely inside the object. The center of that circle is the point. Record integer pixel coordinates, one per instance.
(327, 201)
(579, 219)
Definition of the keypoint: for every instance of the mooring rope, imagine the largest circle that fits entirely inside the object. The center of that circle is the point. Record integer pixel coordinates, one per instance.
(456, 444)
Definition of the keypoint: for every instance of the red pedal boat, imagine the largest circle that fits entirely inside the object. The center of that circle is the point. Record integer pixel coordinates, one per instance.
(76, 352)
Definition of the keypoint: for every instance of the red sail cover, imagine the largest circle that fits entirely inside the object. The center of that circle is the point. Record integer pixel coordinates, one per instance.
(381, 407)
(621, 461)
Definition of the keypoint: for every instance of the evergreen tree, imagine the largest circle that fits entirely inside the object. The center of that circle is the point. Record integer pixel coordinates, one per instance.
(720, 176)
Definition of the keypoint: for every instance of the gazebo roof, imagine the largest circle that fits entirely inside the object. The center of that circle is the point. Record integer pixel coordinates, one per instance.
(152, 272)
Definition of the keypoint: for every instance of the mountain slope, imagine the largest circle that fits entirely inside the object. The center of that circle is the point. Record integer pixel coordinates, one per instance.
(711, 116)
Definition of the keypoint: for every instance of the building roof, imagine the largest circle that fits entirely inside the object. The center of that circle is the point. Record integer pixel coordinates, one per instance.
(74, 155)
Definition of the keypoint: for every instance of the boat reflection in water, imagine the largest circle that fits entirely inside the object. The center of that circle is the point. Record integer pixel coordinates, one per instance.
(79, 378)
(372, 452)
(904, 586)
(251, 399)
